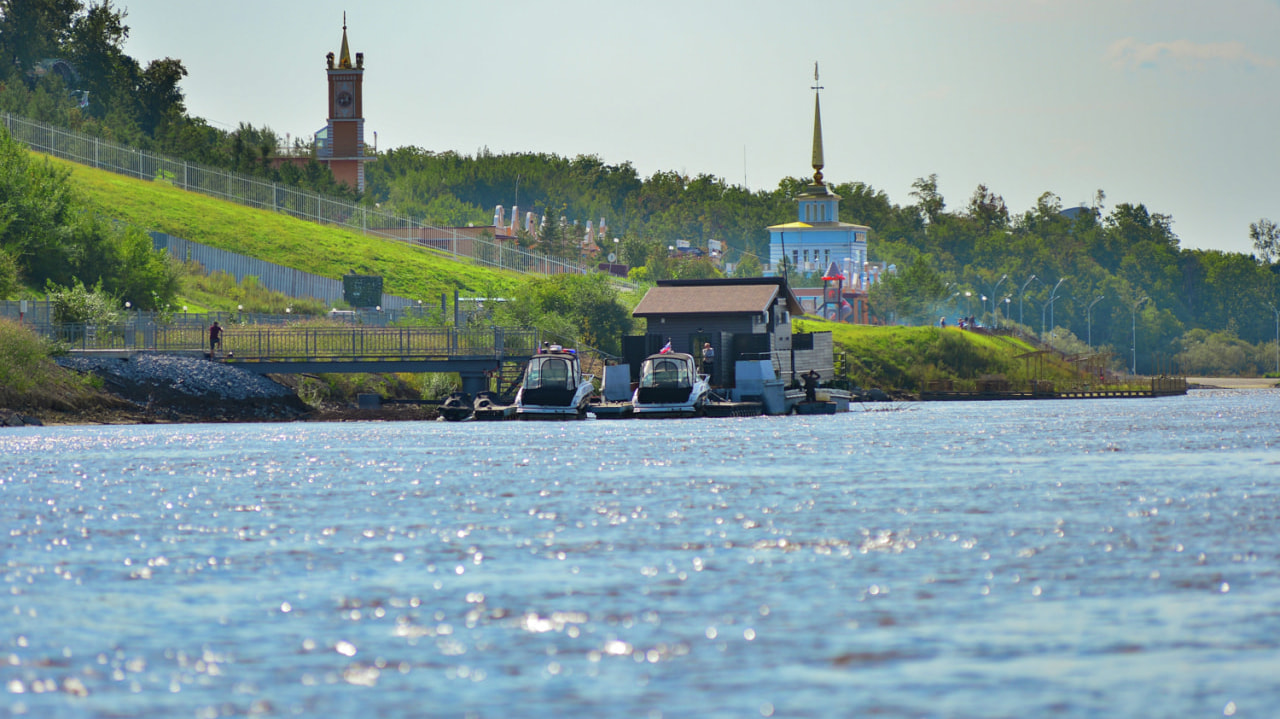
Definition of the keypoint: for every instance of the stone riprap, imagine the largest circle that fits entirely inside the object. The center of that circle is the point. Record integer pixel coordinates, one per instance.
(191, 387)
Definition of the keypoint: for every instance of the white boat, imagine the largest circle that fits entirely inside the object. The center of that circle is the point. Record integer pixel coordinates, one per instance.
(554, 387)
(670, 386)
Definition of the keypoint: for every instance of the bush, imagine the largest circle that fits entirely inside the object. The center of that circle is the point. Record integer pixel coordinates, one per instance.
(1213, 354)
(79, 305)
(29, 379)
(22, 353)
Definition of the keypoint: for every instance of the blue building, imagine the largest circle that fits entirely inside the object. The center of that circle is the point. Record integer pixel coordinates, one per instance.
(818, 238)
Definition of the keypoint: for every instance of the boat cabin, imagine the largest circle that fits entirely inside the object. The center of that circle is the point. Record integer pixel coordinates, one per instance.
(552, 378)
(666, 378)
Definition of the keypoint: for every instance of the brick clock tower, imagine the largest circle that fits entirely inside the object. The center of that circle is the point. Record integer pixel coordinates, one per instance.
(343, 149)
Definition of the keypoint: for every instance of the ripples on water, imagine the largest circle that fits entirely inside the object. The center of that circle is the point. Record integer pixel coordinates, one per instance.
(961, 560)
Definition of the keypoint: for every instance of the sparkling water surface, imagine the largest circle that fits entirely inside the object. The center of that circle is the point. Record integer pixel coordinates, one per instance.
(999, 559)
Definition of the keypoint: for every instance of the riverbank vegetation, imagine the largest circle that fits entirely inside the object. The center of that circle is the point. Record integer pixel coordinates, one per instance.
(912, 359)
(30, 381)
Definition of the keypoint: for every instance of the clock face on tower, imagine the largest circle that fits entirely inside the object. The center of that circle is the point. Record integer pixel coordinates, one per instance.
(343, 100)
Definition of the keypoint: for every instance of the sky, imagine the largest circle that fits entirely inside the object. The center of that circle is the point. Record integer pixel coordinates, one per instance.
(1174, 104)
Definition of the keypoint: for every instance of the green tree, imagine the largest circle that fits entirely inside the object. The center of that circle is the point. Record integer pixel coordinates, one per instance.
(987, 210)
(929, 201)
(10, 275)
(31, 30)
(1266, 240)
(37, 214)
(911, 295)
(576, 308)
(96, 47)
(748, 266)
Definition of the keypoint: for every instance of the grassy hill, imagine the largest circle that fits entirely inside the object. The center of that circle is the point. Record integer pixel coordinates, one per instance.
(907, 358)
(324, 250)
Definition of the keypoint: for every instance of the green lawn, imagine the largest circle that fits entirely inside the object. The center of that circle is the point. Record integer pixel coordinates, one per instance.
(324, 250)
(909, 357)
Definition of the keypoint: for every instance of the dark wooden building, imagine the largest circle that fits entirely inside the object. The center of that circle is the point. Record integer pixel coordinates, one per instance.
(748, 318)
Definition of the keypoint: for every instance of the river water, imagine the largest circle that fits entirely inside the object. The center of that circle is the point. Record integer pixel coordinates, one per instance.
(999, 559)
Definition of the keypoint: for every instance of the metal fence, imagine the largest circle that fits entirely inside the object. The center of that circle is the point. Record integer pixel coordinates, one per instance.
(38, 317)
(266, 343)
(258, 193)
(277, 278)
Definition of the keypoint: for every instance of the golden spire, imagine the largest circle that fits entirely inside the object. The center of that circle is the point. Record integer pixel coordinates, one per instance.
(817, 130)
(344, 57)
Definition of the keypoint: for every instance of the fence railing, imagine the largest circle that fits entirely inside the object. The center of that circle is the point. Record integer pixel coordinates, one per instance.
(304, 343)
(258, 193)
(277, 278)
(38, 316)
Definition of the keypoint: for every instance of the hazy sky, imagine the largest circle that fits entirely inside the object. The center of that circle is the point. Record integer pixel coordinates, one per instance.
(1171, 103)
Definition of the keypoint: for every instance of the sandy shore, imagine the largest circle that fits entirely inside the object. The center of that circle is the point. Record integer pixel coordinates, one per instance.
(1232, 383)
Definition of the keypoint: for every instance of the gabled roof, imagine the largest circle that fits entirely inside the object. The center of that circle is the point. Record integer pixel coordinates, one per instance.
(748, 295)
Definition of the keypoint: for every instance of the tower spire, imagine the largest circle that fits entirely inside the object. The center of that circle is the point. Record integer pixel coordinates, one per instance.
(344, 57)
(817, 130)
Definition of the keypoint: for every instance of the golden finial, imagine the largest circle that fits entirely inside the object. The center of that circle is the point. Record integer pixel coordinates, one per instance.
(344, 57)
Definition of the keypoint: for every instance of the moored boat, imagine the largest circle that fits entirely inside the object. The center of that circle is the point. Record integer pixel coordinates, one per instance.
(456, 407)
(554, 387)
(670, 386)
(487, 408)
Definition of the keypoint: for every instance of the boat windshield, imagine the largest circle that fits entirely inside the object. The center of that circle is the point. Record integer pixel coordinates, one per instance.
(666, 372)
(551, 373)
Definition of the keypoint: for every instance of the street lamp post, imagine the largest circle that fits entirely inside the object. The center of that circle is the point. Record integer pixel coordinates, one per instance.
(1021, 293)
(1134, 340)
(984, 304)
(1089, 316)
(1053, 296)
(1007, 300)
(995, 293)
(968, 303)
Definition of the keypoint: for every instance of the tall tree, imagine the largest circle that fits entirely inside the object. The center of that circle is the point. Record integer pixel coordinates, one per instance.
(96, 49)
(928, 200)
(1266, 240)
(32, 30)
(988, 210)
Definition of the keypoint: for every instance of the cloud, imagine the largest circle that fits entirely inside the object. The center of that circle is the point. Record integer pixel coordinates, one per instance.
(1128, 52)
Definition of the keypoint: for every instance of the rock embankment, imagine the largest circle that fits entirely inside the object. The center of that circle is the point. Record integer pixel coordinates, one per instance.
(191, 389)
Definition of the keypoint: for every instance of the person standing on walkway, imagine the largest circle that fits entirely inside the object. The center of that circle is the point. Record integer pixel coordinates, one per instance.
(708, 358)
(215, 337)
